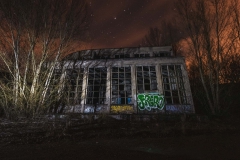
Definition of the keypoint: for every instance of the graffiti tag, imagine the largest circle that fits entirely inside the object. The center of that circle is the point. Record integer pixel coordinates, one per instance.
(121, 108)
(150, 100)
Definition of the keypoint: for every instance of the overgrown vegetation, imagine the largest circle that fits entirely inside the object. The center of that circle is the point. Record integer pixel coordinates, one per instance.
(207, 34)
(32, 34)
(78, 127)
(212, 39)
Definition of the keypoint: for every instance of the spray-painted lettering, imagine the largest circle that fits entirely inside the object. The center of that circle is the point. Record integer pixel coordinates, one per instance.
(150, 100)
(121, 108)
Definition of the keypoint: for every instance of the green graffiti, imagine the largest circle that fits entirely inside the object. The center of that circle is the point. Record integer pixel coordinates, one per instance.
(150, 100)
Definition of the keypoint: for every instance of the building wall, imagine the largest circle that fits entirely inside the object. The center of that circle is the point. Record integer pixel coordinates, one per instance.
(143, 85)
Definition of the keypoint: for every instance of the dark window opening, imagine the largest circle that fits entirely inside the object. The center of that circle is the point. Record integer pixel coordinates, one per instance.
(122, 56)
(96, 88)
(74, 85)
(121, 85)
(173, 86)
(146, 78)
(163, 54)
(141, 55)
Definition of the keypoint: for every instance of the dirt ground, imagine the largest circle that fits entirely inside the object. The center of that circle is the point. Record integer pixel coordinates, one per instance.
(121, 140)
(214, 146)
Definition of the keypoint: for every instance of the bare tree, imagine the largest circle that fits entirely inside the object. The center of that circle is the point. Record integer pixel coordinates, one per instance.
(33, 33)
(154, 37)
(211, 37)
(168, 34)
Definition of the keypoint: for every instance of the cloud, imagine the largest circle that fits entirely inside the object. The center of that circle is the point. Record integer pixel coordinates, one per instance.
(133, 19)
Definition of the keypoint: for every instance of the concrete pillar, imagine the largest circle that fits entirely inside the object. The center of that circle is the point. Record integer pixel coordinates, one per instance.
(160, 82)
(84, 89)
(187, 86)
(159, 79)
(108, 89)
(134, 87)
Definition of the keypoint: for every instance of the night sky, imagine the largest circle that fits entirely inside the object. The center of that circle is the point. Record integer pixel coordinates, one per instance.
(123, 23)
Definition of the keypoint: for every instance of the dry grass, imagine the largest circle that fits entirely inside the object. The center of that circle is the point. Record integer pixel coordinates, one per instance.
(76, 127)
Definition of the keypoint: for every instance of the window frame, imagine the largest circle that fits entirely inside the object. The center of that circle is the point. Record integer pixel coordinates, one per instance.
(121, 91)
(96, 85)
(74, 85)
(173, 85)
(146, 78)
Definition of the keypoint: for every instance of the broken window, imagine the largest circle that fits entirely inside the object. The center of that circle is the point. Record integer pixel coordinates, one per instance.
(142, 55)
(121, 85)
(173, 86)
(146, 79)
(74, 85)
(56, 77)
(162, 54)
(96, 88)
(122, 56)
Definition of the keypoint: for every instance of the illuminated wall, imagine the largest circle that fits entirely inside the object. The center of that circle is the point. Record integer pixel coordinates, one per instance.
(132, 80)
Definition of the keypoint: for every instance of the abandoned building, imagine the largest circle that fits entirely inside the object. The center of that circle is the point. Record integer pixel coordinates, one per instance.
(126, 80)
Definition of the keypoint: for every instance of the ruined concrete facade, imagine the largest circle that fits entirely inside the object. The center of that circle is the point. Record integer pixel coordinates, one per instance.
(127, 80)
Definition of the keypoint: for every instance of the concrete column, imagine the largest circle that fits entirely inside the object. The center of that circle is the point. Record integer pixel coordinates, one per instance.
(134, 87)
(160, 82)
(108, 90)
(159, 79)
(84, 89)
(187, 86)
